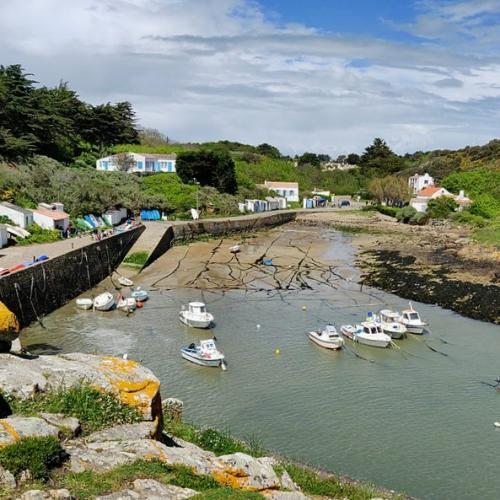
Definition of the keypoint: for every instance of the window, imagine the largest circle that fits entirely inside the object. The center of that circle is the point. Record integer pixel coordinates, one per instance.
(139, 165)
(104, 165)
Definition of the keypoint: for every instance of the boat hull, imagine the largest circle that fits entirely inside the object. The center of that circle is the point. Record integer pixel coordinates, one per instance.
(416, 330)
(372, 342)
(104, 303)
(194, 323)
(334, 345)
(84, 304)
(212, 363)
(394, 334)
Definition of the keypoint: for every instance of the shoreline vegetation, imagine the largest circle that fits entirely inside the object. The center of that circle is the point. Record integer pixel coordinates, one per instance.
(45, 458)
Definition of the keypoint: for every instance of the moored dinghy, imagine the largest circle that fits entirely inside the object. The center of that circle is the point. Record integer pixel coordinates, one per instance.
(390, 322)
(235, 249)
(104, 302)
(127, 304)
(139, 294)
(204, 354)
(84, 303)
(196, 315)
(125, 281)
(327, 338)
(412, 321)
(368, 333)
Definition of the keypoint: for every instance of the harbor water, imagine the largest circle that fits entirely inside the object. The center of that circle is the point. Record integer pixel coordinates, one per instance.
(414, 418)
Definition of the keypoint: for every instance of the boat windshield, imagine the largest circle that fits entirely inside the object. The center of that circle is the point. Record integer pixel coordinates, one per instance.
(378, 330)
(414, 315)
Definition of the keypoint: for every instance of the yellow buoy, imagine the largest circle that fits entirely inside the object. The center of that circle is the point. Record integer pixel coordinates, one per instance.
(304, 308)
(277, 351)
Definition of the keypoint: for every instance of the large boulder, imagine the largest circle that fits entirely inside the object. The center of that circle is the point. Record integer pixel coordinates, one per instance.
(13, 429)
(61, 494)
(132, 383)
(9, 325)
(238, 471)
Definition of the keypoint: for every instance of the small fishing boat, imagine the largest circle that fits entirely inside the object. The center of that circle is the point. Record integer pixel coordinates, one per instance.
(412, 321)
(125, 281)
(104, 302)
(126, 304)
(496, 424)
(368, 333)
(139, 294)
(18, 232)
(328, 338)
(196, 315)
(204, 354)
(84, 303)
(267, 262)
(390, 322)
(235, 249)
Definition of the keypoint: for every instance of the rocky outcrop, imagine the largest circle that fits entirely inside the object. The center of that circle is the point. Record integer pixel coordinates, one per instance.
(61, 494)
(14, 428)
(131, 382)
(69, 426)
(149, 489)
(238, 471)
(7, 480)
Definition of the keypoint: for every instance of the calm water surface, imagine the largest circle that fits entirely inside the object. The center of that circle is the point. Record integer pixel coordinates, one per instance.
(413, 420)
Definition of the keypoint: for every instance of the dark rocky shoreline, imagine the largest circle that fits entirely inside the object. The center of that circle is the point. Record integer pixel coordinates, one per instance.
(393, 272)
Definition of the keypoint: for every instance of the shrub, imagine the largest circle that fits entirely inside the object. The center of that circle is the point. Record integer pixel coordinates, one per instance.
(405, 214)
(36, 454)
(95, 410)
(486, 205)
(40, 235)
(137, 258)
(466, 217)
(6, 220)
(442, 207)
(419, 219)
(390, 211)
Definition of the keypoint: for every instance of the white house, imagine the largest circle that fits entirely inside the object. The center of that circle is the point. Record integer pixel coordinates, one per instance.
(51, 216)
(289, 190)
(425, 195)
(19, 216)
(419, 182)
(140, 163)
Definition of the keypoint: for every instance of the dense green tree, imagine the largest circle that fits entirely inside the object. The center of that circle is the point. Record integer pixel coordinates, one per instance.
(353, 159)
(209, 168)
(442, 207)
(268, 150)
(311, 159)
(379, 159)
(390, 189)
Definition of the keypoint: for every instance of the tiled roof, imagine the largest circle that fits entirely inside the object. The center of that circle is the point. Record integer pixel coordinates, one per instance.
(53, 214)
(429, 191)
(15, 207)
(271, 184)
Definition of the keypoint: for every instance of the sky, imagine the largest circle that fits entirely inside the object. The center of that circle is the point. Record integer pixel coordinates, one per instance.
(319, 75)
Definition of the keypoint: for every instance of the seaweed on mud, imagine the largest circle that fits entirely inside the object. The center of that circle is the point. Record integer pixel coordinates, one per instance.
(390, 271)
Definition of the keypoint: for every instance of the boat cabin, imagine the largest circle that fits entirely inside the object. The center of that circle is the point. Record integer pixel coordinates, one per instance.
(207, 345)
(411, 315)
(197, 307)
(371, 328)
(330, 331)
(389, 316)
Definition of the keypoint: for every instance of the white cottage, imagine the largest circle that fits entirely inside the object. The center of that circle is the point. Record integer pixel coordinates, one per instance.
(4, 236)
(421, 202)
(139, 163)
(51, 216)
(19, 216)
(288, 190)
(419, 182)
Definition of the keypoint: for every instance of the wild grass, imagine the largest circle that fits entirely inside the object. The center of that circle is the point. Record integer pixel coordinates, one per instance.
(488, 234)
(136, 259)
(36, 454)
(96, 410)
(218, 442)
(86, 485)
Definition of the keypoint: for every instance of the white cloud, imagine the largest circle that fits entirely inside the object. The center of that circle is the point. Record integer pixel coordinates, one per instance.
(219, 69)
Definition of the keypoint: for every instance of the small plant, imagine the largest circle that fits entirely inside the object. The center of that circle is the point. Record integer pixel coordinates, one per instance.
(39, 235)
(442, 207)
(36, 454)
(390, 211)
(95, 410)
(218, 442)
(136, 259)
(405, 214)
(419, 219)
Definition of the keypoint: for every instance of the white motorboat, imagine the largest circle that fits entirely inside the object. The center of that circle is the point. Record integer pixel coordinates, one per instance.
(204, 354)
(328, 338)
(235, 249)
(196, 315)
(368, 333)
(127, 304)
(390, 322)
(18, 232)
(104, 302)
(84, 303)
(125, 281)
(412, 321)
(139, 294)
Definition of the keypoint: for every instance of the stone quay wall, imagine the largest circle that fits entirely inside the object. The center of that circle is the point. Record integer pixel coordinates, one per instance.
(217, 227)
(42, 288)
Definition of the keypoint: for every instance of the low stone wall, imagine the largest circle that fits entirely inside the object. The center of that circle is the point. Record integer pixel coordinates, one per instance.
(43, 288)
(217, 227)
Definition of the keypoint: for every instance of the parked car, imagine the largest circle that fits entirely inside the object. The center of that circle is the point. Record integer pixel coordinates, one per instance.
(345, 203)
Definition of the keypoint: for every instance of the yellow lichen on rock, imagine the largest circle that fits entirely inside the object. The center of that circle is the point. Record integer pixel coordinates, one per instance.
(233, 478)
(8, 429)
(9, 324)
